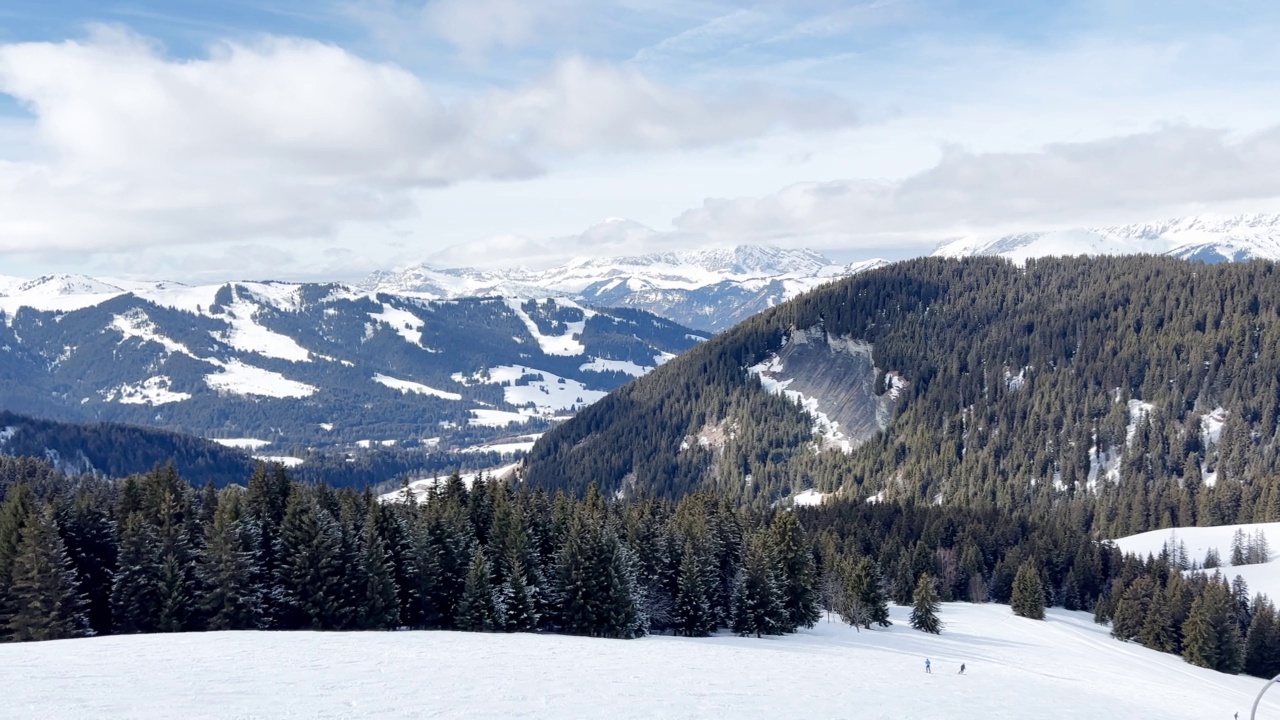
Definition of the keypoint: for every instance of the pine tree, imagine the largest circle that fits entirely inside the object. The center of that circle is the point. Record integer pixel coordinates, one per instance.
(17, 508)
(1132, 608)
(521, 610)
(227, 570)
(693, 615)
(380, 598)
(1157, 630)
(91, 543)
(924, 610)
(1028, 593)
(796, 577)
(864, 601)
(757, 602)
(44, 596)
(618, 616)
(136, 593)
(1212, 637)
(1262, 644)
(310, 576)
(477, 611)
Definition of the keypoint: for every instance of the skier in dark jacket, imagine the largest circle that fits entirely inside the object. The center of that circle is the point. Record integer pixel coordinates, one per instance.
(927, 667)
(961, 668)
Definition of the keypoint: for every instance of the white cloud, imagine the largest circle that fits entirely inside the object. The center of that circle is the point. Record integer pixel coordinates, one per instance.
(475, 27)
(1168, 170)
(288, 138)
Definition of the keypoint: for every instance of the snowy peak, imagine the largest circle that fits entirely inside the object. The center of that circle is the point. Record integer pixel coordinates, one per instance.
(1207, 238)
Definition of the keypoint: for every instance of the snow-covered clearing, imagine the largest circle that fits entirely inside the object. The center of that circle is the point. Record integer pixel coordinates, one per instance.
(135, 324)
(405, 323)
(406, 386)
(566, 344)
(242, 443)
(1263, 577)
(1064, 667)
(497, 418)
(152, 391)
(551, 394)
(524, 443)
(809, 497)
(245, 334)
(623, 366)
(237, 378)
(423, 486)
(285, 460)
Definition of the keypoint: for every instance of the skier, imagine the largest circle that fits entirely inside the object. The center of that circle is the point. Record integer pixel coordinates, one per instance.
(927, 667)
(961, 668)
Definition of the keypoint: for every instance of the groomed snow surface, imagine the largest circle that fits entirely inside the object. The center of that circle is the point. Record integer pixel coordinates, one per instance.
(1064, 667)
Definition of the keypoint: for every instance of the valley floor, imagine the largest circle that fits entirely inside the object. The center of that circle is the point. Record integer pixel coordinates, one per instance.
(1066, 667)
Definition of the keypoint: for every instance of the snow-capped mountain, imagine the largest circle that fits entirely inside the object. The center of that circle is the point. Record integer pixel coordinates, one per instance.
(1207, 238)
(705, 289)
(314, 364)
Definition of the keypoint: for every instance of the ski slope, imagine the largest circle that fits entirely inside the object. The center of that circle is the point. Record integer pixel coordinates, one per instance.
(1065, 667)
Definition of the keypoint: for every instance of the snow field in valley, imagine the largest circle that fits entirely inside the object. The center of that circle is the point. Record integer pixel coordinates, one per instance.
(1064, 667)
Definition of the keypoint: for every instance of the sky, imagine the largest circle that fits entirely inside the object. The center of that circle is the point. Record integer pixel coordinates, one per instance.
(324, 139)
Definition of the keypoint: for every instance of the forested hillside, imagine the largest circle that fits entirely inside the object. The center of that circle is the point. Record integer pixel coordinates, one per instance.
(1131, 392)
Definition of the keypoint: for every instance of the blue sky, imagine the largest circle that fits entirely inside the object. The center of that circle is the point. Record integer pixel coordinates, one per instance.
(207, 140)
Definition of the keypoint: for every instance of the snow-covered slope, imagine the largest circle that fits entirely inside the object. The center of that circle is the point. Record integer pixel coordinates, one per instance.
(1261, 577)
(1209, 238)
(1064, 667)
(704, 289)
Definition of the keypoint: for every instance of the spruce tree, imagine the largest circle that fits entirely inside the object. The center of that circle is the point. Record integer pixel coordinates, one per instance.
(1028, 593)
(924, 608)
(91, 543)
(1157, 630)
(1132, 608)
(1262, 644)
(518, 600)
(310, 575)
(232, 600)
(380, 598)
(477, 611)
(796, 576)
(44, 595)
(136, 593)
(693, 615)
(863, 599)
(757, 601)
(19, 502)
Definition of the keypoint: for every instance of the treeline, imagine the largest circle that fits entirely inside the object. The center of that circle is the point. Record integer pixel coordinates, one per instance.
(153, 554)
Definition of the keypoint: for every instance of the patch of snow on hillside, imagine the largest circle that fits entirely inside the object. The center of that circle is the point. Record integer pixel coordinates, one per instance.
(498, 418)
(405, 386)
(522, 444)
(1062, 667)
(134, 323)
(565, 344)
(663, 357)
(1211, 425)
(286, 460)
(242, 443)
(152, 391)
(622, 366)
(237, 378)
(1264, 577)
(1137, 411)
(550, 395)
(405, 323)
(808, 498)
(423, 486)
(246, 334)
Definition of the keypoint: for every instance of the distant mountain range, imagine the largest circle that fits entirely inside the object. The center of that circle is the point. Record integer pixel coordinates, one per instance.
(279, 368)
(709, 290)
